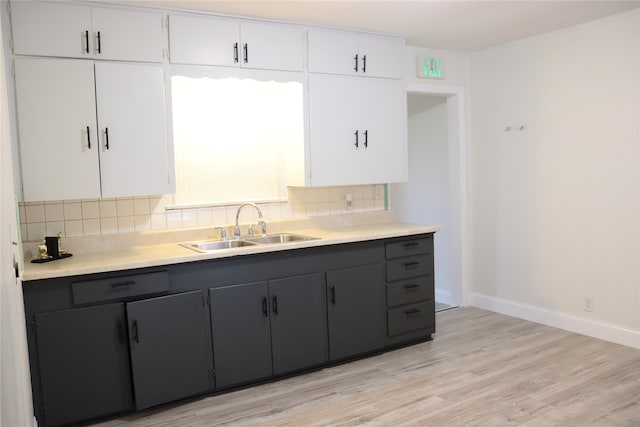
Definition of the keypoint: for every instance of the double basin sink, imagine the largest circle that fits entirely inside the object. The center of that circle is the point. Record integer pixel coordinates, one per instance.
(217, 245)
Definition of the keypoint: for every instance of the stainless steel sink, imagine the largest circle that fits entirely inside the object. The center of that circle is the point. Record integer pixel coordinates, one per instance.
(216, 245)
(280, 238)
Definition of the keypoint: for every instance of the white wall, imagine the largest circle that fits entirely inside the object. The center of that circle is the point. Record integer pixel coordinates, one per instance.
(15, 387)
(555, 207)
(424, 199)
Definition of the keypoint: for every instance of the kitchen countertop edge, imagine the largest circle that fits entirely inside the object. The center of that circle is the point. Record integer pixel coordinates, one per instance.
(172, 253)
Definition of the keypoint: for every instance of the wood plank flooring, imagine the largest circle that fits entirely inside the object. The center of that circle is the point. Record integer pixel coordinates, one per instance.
(482, 369)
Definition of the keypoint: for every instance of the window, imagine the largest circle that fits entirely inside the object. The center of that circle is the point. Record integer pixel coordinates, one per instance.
(236, 138)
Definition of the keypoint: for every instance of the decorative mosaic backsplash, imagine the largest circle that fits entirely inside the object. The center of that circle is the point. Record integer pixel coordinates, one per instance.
(94, 217)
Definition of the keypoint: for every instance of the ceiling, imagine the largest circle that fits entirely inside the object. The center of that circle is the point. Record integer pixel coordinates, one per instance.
(448, 25)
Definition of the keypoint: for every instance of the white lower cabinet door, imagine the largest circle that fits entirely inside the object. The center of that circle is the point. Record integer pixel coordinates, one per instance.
(132, 129)
(57, 129)
(358, 130)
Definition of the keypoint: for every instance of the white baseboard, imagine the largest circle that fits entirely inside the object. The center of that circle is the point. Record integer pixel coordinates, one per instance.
(603, 331)
(443, 297)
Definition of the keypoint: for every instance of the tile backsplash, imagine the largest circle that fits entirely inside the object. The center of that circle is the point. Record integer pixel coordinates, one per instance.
(94, 217)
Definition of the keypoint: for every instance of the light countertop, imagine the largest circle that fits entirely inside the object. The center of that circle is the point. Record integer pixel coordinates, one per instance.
(140, 253)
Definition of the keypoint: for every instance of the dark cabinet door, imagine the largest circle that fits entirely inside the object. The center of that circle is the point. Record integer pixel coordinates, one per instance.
(84, 363)
(298, 322)
(241, 333)
(357, 310)
(168, 348)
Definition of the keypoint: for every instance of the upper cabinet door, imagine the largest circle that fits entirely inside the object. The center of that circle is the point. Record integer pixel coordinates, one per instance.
(272, 46)
(132, 128)
(381, 56)
(233, 43)
(127, 35)
(51, 29)
(204, 40)
(347, 53)
(79, 31)
(57, 128)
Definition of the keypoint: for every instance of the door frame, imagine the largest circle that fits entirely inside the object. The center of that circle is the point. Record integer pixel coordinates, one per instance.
(458, 184)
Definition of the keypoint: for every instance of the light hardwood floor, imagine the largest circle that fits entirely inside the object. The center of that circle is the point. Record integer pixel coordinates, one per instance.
(482, 369)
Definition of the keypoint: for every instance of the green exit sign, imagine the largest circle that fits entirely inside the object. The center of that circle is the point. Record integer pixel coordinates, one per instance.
(430, 67)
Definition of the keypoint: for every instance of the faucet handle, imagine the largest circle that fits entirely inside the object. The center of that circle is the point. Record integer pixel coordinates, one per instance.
(236, 232)
(263, 227)
(223, 232)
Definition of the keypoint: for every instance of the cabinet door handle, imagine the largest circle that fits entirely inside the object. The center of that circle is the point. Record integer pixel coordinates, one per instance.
(265, 308)
(364, 63)
(274, 305)
(136, 336)
(106, 136)
(356, 66)
(88, 138)
(411, 264)
(86, 40)
(357, 143)
(99, 43)
(246, 53)
(235, 52)
(333, 295)
(366, 138)
(412, 313)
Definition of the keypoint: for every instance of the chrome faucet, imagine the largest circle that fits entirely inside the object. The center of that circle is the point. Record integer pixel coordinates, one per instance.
(261, 223)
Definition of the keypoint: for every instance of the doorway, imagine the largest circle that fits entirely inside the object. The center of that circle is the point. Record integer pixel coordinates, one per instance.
(435, 192)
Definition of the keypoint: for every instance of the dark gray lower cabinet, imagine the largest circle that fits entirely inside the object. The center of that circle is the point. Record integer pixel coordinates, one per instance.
(241, 333)
(356, 300)
(267, 328)
(298, 323)
(168, 348)
(84, 363)
(108, 343)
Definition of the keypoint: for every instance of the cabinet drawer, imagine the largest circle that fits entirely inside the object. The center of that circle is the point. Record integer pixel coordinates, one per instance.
(410, 291)
(423, 245)
(405, 268)
(411, 317)
(119, 287)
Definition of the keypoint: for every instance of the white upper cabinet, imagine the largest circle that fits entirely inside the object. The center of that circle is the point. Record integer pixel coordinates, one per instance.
(57, 132)
(132, 126)
(128, 35)
(81, 31)
(358, 130)
(229, 42)
(347, 53)
(69, 152)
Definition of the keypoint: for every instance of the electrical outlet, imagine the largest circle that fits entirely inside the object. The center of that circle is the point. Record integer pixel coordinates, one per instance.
(587, 304)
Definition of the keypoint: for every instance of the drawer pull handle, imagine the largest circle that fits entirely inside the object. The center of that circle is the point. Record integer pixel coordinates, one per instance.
(411, 286)
(411, 245)
(411, 264)
(265, 308)
(412, 313)
(123, 284)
